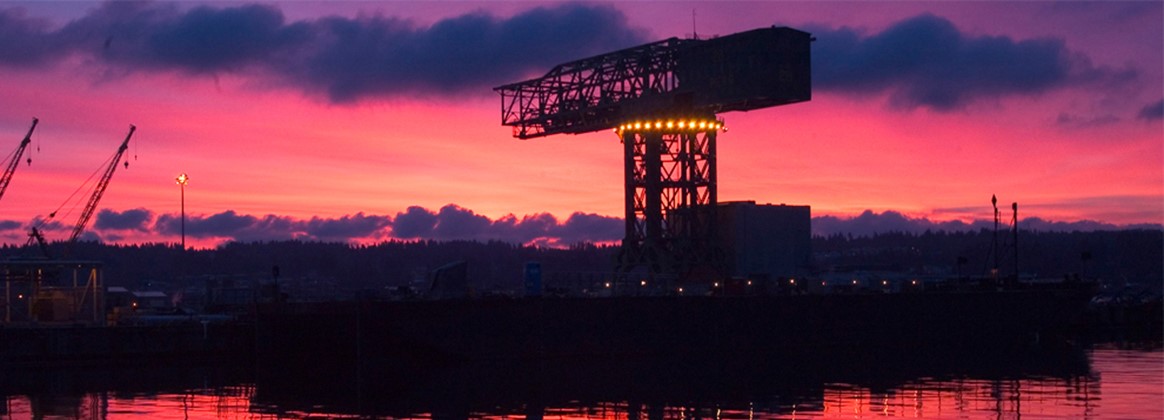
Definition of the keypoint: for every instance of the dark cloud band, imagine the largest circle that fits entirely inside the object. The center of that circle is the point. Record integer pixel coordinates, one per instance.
(344, 59)
(926, 61)
(1152, 112)
(452, 222)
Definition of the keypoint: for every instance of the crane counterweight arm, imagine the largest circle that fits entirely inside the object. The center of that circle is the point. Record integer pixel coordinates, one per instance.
(102, 183)
(11, 168)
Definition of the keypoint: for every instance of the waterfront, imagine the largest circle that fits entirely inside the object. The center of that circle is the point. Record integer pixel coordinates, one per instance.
(1113, 380)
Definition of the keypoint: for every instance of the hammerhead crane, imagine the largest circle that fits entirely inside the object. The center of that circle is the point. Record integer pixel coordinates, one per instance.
(11, 168)
(662, 99)
(91, 205)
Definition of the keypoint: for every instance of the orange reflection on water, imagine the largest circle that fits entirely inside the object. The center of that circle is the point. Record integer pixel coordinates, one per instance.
(1009, 398)
(1122, 383)
(217, 403)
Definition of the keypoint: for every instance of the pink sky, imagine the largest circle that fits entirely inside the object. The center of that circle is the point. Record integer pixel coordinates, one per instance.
(259, 142)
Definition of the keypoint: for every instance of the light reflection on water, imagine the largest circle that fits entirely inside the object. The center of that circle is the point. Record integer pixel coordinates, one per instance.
(1121, 383)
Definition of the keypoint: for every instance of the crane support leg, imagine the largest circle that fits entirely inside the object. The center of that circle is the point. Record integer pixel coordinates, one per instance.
(670, 192)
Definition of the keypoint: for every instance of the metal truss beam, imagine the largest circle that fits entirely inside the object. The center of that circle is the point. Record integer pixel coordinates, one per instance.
(739, 72)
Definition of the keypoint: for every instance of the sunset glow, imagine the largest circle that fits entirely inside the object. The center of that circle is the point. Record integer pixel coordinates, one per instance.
(341, 121)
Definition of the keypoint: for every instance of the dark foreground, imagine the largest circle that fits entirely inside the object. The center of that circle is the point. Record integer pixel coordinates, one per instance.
(371, 335)
(454, 358)
(449, 331)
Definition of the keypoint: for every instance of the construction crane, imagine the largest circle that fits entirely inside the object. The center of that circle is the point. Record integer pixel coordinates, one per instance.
(12, 164)
(99, 191)
(91, 204)
(661, 99)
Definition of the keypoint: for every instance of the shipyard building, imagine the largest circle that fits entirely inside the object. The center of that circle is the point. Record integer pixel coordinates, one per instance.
(765, 241)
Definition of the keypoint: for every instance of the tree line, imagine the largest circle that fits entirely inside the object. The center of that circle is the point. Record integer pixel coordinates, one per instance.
(1125, 256)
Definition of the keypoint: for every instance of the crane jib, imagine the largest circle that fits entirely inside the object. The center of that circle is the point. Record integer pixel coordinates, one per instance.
(102, 184)
(10, 169)
(739, 72)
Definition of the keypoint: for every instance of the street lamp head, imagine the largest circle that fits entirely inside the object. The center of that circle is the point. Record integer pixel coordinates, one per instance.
(182, 179)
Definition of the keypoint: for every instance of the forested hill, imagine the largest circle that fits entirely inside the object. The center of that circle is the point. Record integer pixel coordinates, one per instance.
(1134, 256)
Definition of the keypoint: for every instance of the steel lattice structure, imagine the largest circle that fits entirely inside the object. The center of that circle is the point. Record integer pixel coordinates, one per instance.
(670, 181)
(662, 99)
(591, 94)
(6, 177)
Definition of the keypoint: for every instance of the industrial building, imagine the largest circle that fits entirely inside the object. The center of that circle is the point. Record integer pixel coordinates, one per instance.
(765, 241)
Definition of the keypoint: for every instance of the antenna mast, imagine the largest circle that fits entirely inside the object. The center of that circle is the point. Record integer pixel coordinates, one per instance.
(694, 33)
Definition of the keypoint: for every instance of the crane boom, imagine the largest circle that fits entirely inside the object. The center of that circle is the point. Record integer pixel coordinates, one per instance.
(11, 168)
(91, 206)
(738, 72)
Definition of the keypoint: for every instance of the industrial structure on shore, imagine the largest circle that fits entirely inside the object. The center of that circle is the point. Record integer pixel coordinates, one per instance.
(741, 263)
(45, 289)
(662, 100)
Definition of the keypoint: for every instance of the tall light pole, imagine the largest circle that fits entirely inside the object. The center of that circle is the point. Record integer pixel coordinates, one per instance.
(182, 180)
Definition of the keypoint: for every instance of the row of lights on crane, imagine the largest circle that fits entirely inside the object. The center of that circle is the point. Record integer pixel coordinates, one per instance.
(687, 125)
(790, 282)
(856, 282)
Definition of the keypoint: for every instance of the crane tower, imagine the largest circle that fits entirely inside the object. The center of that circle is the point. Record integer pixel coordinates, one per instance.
(663, 99)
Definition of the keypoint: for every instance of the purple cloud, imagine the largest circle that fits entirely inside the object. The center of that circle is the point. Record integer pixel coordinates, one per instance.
(229, 224)
(926, 61)
(133, 219)
(1152, 112)
(525, 230)
(343, 59)
(453, 222)
(415, 222)
(870, 223)
(589, 227)
(346, 227)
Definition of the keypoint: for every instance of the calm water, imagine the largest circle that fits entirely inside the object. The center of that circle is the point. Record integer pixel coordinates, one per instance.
(1110, 381)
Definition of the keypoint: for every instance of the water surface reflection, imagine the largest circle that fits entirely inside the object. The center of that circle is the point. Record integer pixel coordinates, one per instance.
(1106, 381)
